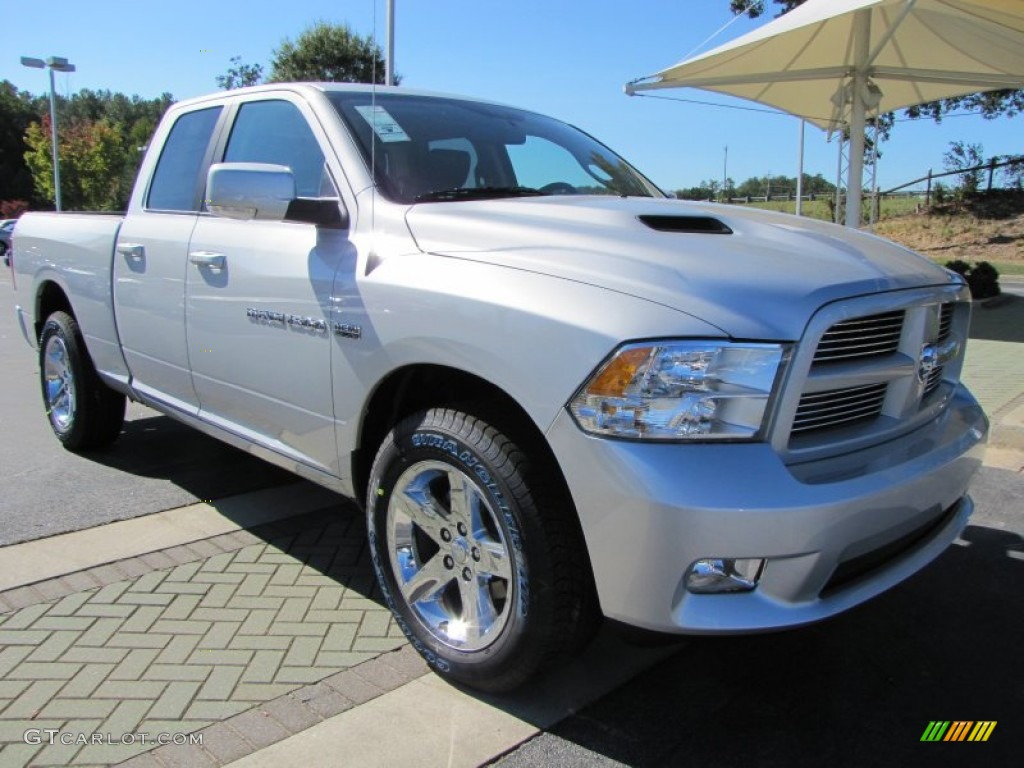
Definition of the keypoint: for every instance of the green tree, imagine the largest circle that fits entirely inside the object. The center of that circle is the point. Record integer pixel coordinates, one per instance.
(92, 164)
(963, 157)
(1013, 174)
(328, 53)
(706, 190)
(754, 8)
(132, 118)
(757, 186)
(240, 75)
(17, 111)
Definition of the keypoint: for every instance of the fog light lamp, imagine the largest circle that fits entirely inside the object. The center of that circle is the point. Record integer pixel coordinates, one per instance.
(714, 575)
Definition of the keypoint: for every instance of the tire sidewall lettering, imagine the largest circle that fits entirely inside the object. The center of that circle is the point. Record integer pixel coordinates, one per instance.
(468, 459)
(405, 450)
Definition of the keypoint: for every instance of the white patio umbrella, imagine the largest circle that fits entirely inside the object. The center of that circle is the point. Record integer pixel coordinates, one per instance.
(832, 61)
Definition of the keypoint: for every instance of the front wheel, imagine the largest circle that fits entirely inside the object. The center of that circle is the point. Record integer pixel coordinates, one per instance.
(84, 412)
(478, 558)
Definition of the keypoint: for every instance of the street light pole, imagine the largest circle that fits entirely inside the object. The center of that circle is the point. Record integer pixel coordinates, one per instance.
(61, 65)
(389, 59)
(53, 136)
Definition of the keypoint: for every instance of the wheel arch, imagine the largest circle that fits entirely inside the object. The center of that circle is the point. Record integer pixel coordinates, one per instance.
(415, 387)
(50, 298)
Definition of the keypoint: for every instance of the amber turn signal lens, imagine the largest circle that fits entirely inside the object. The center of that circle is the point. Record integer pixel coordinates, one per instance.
(619, 373)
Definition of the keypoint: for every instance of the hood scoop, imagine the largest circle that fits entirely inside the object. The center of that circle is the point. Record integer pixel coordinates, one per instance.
(705, 225)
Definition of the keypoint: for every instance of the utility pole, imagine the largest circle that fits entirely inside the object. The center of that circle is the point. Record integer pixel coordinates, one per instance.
(725, 173)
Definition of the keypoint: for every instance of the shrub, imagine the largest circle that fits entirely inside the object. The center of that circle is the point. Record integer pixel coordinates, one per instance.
(982, 278)
(12, 209)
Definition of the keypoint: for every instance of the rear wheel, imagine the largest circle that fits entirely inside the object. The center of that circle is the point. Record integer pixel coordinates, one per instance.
(84, 412)
(478, 558)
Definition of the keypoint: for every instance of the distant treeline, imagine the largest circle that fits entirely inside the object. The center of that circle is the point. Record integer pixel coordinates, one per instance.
(102, 135)
(757, 186)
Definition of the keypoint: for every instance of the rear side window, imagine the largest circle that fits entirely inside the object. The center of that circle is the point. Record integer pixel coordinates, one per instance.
(175, 184)
(276, 132)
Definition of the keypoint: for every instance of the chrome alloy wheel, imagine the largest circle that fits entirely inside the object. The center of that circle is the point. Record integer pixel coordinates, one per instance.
(449, 555)
(59, 384)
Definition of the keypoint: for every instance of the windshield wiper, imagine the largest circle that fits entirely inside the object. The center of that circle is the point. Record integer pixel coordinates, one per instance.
(475, 193)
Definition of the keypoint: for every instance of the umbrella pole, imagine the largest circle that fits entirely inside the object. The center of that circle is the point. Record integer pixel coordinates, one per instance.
(839, 208)
(858, 117)
(855, 176)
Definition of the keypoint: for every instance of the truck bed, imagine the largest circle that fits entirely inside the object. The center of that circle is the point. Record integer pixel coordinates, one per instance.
(76, 250)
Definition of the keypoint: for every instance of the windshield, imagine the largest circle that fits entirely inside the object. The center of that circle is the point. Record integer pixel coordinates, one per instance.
(430, 149)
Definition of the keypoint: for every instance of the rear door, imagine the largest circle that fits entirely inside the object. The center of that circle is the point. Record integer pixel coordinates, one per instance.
(259, 297)
(150, 263)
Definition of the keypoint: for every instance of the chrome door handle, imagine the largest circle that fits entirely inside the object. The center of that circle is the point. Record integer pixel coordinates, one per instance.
(133, 251)
(210, 259)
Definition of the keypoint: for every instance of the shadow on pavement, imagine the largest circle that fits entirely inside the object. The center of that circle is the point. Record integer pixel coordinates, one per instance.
(1002, 321)
(160, 447)
(330, 541)
(858, 690)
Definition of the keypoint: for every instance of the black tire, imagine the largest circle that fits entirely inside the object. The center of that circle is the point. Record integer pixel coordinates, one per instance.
(83, 412)
(533, 606)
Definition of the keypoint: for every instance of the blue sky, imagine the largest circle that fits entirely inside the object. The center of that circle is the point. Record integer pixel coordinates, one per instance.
(566, 58)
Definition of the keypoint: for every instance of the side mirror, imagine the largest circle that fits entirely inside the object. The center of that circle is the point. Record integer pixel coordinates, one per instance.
(266, 192)
(246, 191)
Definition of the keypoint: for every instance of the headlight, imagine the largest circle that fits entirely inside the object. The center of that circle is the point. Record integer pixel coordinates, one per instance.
(681, 390)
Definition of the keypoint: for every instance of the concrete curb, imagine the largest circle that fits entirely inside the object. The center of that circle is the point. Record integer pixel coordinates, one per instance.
(42, 562)
(257, 731)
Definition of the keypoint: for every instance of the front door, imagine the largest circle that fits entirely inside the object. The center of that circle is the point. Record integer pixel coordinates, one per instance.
(259, 300)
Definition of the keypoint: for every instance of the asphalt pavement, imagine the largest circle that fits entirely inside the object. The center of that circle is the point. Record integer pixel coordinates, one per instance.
(156, 464)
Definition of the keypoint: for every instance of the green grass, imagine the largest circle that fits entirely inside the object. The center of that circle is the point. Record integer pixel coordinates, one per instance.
(1003, 267)
(1009, 268)
(819, 209)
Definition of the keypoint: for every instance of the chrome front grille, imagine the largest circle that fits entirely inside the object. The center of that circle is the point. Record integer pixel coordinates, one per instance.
(945, 328)
(821, 410)
(945, 320)
(872, 374)
(847, 342)
(862, 337)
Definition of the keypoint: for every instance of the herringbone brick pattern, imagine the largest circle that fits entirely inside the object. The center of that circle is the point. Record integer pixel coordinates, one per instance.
(182, 647)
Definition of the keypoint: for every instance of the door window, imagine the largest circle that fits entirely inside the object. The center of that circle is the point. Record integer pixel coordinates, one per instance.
(176, 185)
(276, 132)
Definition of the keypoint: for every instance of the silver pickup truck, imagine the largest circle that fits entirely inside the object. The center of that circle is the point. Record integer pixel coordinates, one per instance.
(558, 393)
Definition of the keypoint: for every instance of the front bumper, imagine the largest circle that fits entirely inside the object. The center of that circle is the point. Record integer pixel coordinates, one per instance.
(648, 511)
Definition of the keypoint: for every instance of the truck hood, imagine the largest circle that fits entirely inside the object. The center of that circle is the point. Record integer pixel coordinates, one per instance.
(762, 278)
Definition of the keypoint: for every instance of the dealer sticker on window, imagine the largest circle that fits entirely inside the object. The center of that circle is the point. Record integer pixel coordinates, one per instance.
(383, 124)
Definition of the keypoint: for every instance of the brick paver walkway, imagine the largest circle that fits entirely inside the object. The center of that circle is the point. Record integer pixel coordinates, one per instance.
(994, 371)
(185, 645)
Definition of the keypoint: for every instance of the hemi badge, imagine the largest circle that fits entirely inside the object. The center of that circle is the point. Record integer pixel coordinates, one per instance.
(348, 330)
